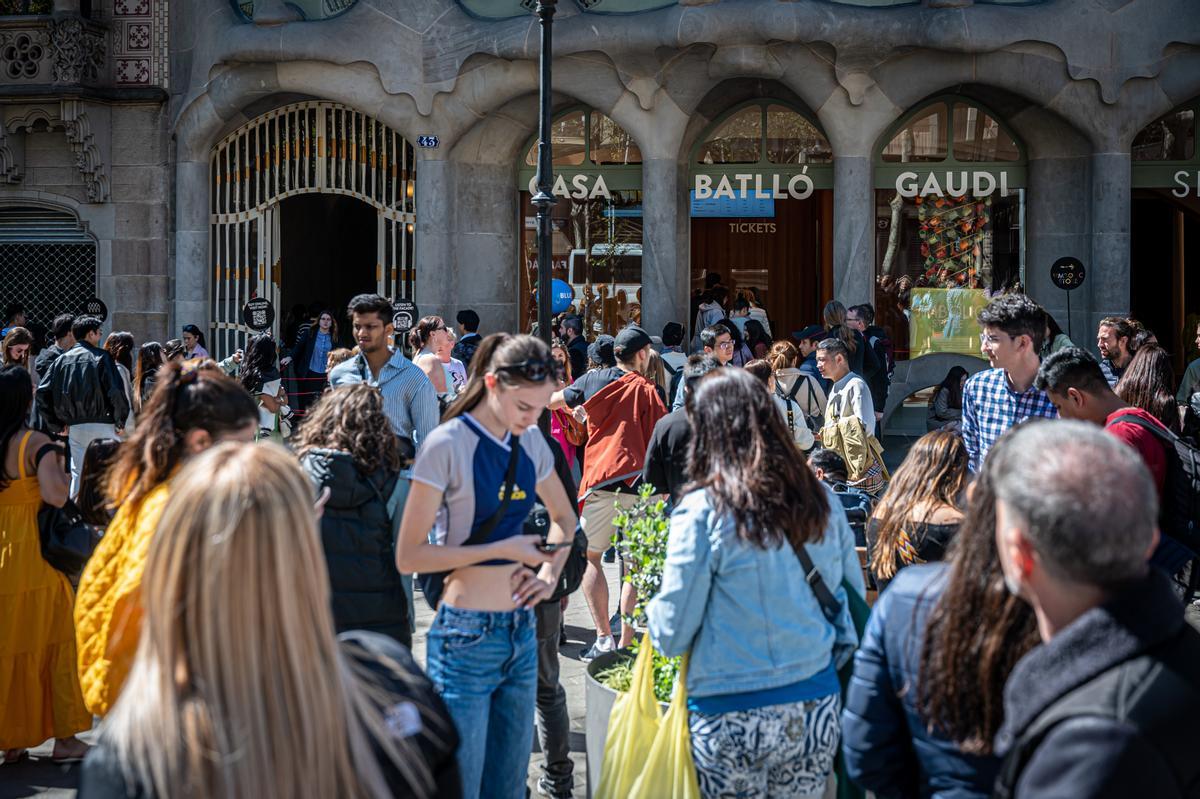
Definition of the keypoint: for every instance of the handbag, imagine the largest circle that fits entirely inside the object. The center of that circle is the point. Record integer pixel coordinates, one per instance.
(67, 540)
(538, 523)
(432, 583)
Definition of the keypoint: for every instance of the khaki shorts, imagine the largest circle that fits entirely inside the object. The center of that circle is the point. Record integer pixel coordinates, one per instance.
(599, 514)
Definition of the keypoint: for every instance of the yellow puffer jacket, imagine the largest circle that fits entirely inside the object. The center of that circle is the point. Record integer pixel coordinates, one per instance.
(108, 610)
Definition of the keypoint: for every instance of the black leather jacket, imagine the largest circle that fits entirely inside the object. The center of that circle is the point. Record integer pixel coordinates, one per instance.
(83, 386)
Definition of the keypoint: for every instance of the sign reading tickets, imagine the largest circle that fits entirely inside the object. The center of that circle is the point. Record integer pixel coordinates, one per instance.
(95, 307)
(258, 314)
(404, 315)
(1067, 273)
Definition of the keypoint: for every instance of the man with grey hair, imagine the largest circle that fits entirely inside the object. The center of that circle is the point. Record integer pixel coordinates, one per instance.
(1107, 705)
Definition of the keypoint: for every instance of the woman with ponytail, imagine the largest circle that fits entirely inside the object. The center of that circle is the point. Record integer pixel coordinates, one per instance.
(426, 339)
(482, 651)
(192, 408)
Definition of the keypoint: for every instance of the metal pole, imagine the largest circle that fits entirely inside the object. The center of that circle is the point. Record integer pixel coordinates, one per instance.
(544, 199)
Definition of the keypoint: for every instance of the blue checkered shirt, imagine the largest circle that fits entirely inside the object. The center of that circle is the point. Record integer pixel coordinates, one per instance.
(990, 407)
(408, 397)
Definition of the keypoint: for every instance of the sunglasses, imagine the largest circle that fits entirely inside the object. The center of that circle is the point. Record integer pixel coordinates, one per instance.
(536, 371)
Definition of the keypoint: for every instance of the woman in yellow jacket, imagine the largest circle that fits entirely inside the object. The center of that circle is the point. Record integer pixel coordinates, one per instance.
(193, 407)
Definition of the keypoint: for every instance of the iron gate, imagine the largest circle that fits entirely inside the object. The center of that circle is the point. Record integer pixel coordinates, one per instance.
(304, 148)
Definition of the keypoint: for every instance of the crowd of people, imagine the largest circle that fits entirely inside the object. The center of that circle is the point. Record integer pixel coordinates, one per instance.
(243, 624)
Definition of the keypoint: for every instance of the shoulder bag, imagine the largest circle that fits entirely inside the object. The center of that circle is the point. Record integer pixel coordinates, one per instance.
(67, 541)
(432, 583)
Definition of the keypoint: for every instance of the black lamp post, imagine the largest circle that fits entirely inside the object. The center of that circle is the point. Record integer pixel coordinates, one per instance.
(544, 199)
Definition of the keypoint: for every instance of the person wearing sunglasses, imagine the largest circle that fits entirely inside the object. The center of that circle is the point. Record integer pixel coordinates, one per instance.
(621, 408)
(473, 484)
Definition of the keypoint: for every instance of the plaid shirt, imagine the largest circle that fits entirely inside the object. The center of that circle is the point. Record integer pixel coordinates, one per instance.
(990, 407)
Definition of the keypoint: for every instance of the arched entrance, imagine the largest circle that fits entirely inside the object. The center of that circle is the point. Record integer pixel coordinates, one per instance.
(761, 208)
(597, 221)
(302, 149)
(1165, 231)
(949, 225)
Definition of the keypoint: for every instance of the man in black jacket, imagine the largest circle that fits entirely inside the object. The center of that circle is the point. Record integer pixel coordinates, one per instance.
(1107, 705)
(879, 379)
(577, 345)
(83, 391)
(63, 341)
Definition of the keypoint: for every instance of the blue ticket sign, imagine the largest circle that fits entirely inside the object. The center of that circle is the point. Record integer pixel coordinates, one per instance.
(745, 205)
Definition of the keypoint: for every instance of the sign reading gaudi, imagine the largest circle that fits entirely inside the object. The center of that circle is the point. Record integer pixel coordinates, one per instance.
(951, 184)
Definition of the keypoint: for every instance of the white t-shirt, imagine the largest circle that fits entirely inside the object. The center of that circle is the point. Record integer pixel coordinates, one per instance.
(266, 419)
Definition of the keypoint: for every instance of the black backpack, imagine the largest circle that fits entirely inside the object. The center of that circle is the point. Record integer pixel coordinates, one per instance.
(1179, 516)
(676, 376)
(789, 399)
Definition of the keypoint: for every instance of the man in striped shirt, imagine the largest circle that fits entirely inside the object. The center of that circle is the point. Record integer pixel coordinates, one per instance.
(409, 399)
(998, 398)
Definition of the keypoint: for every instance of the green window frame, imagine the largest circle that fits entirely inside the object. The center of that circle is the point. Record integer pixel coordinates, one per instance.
(1164, 174)
(620, 177)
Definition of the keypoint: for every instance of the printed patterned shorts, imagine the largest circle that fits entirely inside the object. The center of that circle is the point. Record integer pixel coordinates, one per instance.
(776, 751)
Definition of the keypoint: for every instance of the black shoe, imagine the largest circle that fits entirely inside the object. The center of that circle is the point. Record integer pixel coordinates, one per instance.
(610, 555)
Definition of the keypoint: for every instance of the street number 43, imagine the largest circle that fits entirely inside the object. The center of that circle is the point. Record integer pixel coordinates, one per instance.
(428, 141)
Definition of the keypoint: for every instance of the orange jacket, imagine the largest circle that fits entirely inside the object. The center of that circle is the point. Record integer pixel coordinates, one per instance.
(621, 417)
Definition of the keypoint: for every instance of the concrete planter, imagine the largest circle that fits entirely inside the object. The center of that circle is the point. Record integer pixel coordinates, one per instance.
(598, 700)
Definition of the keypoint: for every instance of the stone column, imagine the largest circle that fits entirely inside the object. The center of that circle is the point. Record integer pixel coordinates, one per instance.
(191, 274)
(666, 270)
(853, 229)
(1056, 213)
(1108, 277)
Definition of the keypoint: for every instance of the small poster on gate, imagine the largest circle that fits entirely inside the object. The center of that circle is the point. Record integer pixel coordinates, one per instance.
(404, 315)
(95, 307)
(258, 314)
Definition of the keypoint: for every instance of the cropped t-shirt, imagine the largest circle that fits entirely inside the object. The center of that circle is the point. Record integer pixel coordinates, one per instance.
(468, 465)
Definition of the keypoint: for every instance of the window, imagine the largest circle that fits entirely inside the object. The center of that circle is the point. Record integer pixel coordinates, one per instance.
(921, 140)
(13, 7)
(580, 138)
(611, 144)
(47, 262)
(792, 139)
(738, 140)
(949, 226)
(1172, 138)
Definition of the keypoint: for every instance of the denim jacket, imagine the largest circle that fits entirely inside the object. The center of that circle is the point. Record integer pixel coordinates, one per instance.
(748, 616)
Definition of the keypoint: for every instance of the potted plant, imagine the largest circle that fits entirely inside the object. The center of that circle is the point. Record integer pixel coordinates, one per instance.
(641, 538)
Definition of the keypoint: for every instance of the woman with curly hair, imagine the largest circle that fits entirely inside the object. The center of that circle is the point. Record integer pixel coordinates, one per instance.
(347, 448)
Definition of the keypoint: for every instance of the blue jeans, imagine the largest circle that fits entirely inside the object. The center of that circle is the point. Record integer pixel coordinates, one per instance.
(484, 665)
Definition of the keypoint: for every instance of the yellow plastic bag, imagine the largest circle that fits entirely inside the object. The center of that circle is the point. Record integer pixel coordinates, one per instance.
(669, 772)
(632, 728)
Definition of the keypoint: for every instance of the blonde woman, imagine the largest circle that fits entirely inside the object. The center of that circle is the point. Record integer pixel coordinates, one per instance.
(656, 373)
(240, 688)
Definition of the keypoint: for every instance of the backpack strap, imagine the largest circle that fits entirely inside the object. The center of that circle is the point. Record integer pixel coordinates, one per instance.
(480, 534)
(1161, 433)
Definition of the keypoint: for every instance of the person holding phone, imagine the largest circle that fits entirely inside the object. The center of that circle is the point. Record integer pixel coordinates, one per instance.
(476, 476)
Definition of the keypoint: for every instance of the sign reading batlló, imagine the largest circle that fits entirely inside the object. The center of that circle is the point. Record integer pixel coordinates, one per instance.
(951, 184)
(798, 186)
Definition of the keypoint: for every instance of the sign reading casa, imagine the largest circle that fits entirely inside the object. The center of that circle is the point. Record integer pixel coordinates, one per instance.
(951, 184)
(577, 187)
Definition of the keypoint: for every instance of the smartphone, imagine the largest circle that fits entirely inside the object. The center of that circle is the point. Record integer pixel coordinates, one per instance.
(546, 546)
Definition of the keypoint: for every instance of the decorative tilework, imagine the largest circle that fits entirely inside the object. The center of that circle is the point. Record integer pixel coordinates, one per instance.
(140, 54)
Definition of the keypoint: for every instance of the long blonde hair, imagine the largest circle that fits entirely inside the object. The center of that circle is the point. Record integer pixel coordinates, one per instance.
(933, 473)
(654, 371)
(239, 688)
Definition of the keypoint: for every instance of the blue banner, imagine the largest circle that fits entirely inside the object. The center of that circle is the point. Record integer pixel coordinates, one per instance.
(744, 206)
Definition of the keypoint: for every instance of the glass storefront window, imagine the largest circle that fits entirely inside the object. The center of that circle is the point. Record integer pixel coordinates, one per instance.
(979, 137)
(612, 144)
(598, 251)
(923, 139)
(1172, 138)
(792, 139)
(736, 141)
(938, 261)
(568, 140)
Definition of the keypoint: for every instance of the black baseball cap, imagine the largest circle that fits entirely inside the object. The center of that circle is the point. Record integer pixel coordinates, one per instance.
(810, 333)
(601, 351)
(630, 340)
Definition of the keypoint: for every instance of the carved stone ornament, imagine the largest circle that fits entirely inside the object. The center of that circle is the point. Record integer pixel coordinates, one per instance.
(21, 53)
(10, 167)
(87, 154)
(78, 53)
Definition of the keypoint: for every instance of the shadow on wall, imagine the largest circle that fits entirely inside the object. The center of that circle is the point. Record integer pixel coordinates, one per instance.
(921, 373)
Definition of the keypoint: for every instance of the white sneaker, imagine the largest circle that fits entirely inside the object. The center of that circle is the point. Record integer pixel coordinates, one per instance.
(604, 643)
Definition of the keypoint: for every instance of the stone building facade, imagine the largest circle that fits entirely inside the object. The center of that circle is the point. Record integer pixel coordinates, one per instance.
(291, 134)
